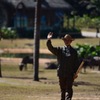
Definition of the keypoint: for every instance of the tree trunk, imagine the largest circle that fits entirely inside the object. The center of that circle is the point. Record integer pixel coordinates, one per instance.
(0, 69)
(97, 31)
(74, 22)
(68, 22)
(99, 68)
(36, 40)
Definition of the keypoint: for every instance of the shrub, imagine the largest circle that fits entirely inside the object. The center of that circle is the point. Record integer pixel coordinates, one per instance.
(8, 33)
(86, 50)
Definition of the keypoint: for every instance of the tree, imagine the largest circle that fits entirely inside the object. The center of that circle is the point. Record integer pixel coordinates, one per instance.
(36, 40)
(0, 68)
(89, 7)
(97, 6)
(96, 24)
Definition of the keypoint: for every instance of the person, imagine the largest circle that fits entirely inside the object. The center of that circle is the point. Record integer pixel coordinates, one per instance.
(67, 58)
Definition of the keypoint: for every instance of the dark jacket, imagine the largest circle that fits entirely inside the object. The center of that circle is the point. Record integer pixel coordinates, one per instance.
(67, 59)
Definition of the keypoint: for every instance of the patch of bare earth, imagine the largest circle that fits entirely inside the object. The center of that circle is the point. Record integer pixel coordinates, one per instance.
(25, 50)
(21, 50)
(18, 60)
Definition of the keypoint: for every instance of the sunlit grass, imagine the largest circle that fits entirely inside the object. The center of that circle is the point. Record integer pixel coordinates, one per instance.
(29, 43)
(21, 85)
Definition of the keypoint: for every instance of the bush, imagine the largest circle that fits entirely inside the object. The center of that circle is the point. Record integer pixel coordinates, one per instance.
(8, 33)
(87, 50)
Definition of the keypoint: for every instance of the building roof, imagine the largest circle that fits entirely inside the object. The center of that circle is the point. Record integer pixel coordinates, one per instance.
(27, 3)
(56, 4)
(50, 4)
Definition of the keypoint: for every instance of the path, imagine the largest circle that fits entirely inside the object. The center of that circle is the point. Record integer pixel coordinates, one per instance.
(21, 50)
(18, 60)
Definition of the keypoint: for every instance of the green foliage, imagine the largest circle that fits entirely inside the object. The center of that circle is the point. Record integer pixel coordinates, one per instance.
(8, 33)
(83, 22)
(95, 22)
(97, 4)
(86, 50)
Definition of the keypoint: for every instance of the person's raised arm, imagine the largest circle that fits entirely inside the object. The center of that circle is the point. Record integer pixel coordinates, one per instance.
(49, 44)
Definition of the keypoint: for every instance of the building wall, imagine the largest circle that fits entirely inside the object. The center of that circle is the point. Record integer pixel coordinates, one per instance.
(22, 18)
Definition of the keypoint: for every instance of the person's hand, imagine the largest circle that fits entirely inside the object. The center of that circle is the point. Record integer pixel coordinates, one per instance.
(49, 36)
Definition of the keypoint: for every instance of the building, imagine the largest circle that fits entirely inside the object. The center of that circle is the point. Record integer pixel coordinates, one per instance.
(19, 14)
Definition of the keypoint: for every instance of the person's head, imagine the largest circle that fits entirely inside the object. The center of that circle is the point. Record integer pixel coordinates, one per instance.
(67, 39)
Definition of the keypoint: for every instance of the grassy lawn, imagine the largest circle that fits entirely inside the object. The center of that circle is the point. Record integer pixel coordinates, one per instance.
(28, 43)
(16, 85)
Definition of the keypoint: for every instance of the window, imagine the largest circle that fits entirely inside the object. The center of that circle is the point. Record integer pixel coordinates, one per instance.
(20, 21)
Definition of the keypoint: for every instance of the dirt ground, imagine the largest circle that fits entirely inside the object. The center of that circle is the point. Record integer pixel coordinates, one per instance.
(26, 50)
(56, 96)
(18, 60)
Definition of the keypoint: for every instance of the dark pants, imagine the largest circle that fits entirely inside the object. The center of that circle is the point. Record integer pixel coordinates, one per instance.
(66, 88)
